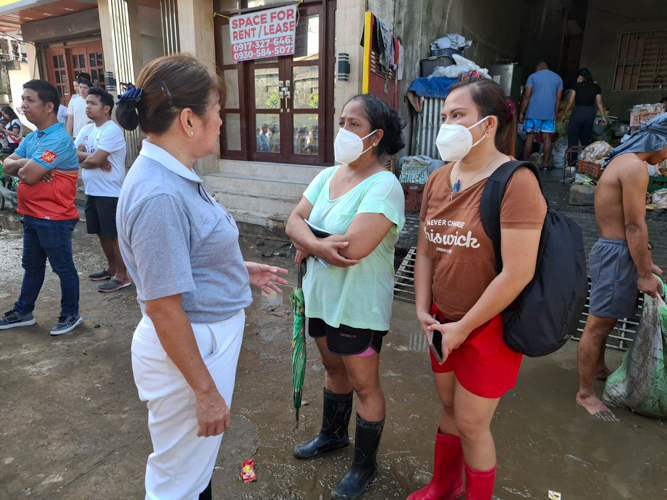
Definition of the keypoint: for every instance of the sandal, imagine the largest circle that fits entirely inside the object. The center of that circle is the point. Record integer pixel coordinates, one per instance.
(113, 286)
(102, 275)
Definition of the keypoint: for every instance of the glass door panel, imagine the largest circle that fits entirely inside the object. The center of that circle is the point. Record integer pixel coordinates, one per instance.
(306, 134)
(267, 92)
(233, 131)
(307, 41)
(267, 109)
(306, 87)
(268, 132)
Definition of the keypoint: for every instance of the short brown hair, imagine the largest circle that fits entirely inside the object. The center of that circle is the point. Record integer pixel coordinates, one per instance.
(170, 84)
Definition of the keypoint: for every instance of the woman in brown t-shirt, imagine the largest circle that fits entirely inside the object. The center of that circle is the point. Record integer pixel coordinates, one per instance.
(456, 282)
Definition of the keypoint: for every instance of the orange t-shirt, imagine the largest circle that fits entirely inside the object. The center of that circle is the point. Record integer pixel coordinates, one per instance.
(462, 254)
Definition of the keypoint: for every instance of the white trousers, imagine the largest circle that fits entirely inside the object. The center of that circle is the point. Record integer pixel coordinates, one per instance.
(181, 464)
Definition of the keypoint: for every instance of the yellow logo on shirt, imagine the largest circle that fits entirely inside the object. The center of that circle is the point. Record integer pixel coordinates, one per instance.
(48, 156)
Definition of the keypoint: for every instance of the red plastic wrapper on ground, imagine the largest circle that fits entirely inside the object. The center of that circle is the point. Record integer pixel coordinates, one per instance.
(248, 471)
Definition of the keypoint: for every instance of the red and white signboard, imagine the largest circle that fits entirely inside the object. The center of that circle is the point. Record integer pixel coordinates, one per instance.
(268, 33)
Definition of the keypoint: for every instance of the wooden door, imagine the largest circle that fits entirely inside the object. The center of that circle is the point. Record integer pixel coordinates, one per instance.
(88, 58)
(281, 109)
(96, 64)
(58, 73)
(304, 92)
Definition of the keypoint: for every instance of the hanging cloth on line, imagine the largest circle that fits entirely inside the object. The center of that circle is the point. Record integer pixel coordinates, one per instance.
(382, 43)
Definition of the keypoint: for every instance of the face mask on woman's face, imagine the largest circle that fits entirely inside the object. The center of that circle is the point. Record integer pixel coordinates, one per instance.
(348, 146)
(454, 142)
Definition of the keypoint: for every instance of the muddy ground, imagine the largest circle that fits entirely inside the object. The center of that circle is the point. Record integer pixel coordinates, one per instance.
(73, 427)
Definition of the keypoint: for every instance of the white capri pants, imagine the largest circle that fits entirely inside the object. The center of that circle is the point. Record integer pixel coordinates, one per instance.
(181, 464)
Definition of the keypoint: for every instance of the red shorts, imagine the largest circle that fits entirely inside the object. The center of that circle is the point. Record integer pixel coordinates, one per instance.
(483, 364)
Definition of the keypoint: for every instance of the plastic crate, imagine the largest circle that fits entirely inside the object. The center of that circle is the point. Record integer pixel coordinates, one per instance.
(656, 183)
(590, 168)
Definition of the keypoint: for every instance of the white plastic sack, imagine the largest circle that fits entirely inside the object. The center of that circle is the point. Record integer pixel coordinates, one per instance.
(652, 170)
(596, 151)
(460, 61)
(558, 159)
(458, 42)
(456, 70)
(640, 384)
(439, 72)
(659, 199)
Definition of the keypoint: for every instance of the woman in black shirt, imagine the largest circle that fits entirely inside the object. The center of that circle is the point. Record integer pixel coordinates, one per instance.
(585, 95)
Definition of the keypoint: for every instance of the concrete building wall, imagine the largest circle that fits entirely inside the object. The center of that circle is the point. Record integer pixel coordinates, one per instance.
(606, 20)
(349, 27)
(523, 31)
(16, 80)
(151, 34)
(195, 20)
(541, 34)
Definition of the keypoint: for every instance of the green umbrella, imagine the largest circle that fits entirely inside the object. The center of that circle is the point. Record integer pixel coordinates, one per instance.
(298, 341)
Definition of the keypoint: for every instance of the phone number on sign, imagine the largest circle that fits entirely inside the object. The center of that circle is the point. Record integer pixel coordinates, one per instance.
(264, 44)
(254, 54)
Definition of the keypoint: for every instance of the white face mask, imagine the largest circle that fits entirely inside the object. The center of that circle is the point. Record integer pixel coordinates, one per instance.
(348, 146)
(455, 141)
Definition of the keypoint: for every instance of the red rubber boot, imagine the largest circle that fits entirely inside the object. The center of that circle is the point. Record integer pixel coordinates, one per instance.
(479, 484)
(447, 482)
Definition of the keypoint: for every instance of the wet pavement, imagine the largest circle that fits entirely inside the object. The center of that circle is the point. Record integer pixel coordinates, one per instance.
(73, 427)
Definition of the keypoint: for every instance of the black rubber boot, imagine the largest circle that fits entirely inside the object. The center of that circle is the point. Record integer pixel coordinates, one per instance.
(364, 467)
(333, 434)
(207, 494)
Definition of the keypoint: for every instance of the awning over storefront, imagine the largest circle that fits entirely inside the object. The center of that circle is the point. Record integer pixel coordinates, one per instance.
(14, 13)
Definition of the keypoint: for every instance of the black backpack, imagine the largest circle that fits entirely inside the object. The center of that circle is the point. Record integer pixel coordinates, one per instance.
(547, 312)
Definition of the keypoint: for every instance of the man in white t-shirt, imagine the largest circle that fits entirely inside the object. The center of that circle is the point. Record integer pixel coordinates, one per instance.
(70, 107)
(76, 111)
(62, 115)
(102, 150)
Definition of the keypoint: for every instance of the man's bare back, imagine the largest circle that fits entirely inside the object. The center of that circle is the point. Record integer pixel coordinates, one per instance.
(625, 176)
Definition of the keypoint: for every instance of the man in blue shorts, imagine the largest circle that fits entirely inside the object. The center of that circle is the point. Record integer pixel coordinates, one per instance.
(621, 263)
(541, 100)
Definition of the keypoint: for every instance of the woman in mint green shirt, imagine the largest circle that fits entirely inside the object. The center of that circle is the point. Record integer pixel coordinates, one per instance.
(350, 279)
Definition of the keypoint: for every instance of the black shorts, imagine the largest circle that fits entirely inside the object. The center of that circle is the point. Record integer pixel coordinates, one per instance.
(12, 145)
(345, 340)
(101, 216)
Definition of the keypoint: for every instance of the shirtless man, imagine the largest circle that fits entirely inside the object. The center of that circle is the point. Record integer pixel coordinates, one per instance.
(620, 262)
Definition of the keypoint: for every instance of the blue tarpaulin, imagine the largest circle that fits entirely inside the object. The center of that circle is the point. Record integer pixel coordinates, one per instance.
(435, 87)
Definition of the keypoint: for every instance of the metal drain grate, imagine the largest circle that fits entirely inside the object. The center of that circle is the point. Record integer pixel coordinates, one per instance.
(620, 338)
(625, 332)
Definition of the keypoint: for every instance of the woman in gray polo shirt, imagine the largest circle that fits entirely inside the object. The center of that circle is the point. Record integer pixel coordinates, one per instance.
(181, 248)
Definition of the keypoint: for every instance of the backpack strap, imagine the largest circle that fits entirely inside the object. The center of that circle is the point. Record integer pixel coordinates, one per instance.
(492, 199)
